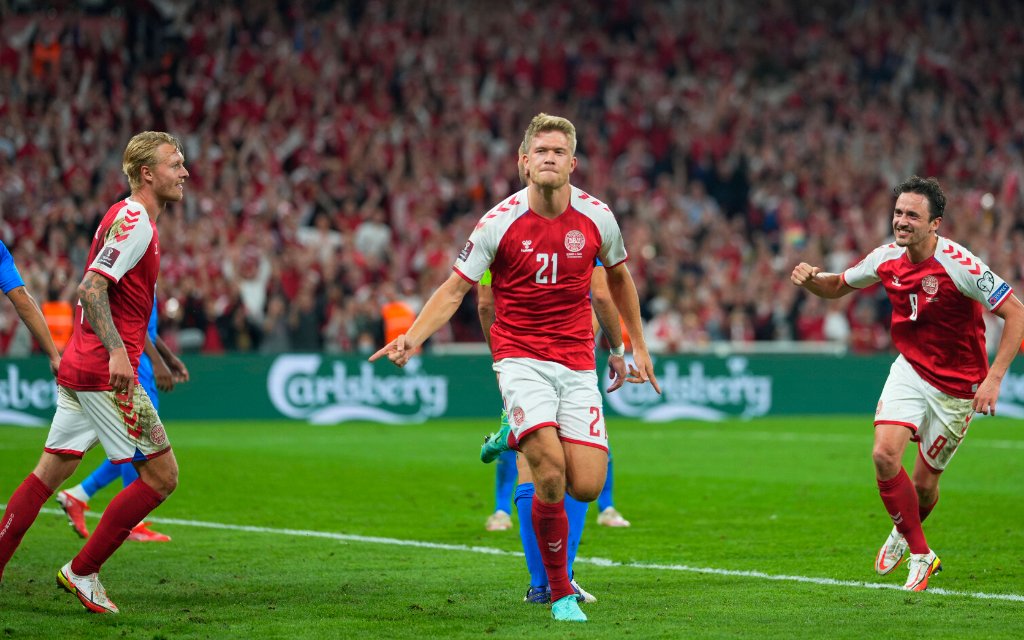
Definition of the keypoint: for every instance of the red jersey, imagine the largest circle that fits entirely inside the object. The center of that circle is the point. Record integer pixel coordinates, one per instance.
(541, 272)
(937, 310)
(125, 249)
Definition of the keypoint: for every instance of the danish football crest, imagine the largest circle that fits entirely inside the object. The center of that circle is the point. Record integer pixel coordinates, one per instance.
(518, 415)
(930, 284)
(574, 241)
(158, 435)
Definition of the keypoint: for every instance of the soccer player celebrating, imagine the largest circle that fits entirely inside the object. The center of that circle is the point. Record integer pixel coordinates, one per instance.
(28, 310)
(99, 399)
(515, 465)
(159, 369)
(938, 290)
(542, 243)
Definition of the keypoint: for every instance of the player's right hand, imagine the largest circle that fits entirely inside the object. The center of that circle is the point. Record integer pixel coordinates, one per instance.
(616, 372)
(122, 376)
(396, 352)
(803, 273)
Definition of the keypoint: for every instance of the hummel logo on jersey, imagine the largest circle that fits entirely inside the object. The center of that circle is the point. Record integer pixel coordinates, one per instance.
(896, 281)
(555, 547)
(526, 246)
(896, 519)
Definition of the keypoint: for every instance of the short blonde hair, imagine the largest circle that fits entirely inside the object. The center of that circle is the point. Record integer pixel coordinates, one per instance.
(544, 122)
(141, 151)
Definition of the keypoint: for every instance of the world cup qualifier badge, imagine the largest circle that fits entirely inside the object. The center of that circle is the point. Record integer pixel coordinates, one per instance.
(466, 250)
(108, 257)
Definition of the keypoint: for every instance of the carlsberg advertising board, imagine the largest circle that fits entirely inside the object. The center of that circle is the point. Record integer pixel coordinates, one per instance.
(326, 389)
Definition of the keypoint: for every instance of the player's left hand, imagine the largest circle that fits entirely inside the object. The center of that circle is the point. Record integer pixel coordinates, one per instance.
(985, 398)
(396, 351)
(55, 366)
(644, 370)
(616, 372)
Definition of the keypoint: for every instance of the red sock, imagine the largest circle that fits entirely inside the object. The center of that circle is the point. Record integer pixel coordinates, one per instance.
(551, 526)
(126, 510)
(924, 511)
(22, 509)
(900, 500)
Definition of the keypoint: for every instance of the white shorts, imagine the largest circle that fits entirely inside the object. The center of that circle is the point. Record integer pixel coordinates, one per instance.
(541, 394)
(127, 426)
(939, 421)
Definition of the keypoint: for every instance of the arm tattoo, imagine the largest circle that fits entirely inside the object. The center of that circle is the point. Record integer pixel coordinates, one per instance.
(96, 307)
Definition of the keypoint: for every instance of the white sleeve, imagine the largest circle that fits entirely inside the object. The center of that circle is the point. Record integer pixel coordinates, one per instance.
(972, 276)
(613, 247)
(478, 253)
(126, 242)
(864, 273)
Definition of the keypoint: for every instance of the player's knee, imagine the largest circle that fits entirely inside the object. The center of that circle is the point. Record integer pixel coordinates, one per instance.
(584, 493)
(549, 484)
(163, 480)
(927, 493)
(170, 484)
(887, 461)
(53, 469)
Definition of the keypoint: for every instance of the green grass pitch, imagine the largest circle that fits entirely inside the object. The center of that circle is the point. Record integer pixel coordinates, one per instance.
(783, 498)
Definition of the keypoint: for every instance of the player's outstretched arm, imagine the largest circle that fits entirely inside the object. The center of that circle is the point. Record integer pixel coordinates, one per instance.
(623, 290)
(33, 318)
(607, 316)
(92, 293)
(821, 284)
(441, 306)
(1012, 313)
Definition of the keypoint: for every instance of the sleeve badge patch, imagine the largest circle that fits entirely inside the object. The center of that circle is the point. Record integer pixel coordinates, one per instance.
(986, 282)
(108, 257)
(1000, 292)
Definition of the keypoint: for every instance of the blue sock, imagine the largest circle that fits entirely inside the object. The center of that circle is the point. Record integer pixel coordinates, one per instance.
(534, 563)
(128, 473)
(576, 511)
(101, 477)
(605, 499)
(505, 481)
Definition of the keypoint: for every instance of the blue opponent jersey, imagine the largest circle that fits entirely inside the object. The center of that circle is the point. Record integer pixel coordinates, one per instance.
(9, 276)
(146, 378)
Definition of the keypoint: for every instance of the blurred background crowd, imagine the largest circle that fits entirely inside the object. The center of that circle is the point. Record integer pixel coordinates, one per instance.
(341, 152)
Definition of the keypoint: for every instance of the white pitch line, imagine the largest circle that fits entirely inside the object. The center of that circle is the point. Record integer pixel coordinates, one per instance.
(835, 438)
(600, 562)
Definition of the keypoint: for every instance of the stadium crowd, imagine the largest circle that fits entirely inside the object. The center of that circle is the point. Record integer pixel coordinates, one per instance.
(340, 153)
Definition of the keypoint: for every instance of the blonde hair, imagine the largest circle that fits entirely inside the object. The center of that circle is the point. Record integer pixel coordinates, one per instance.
(544, 122)
(141, 151)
